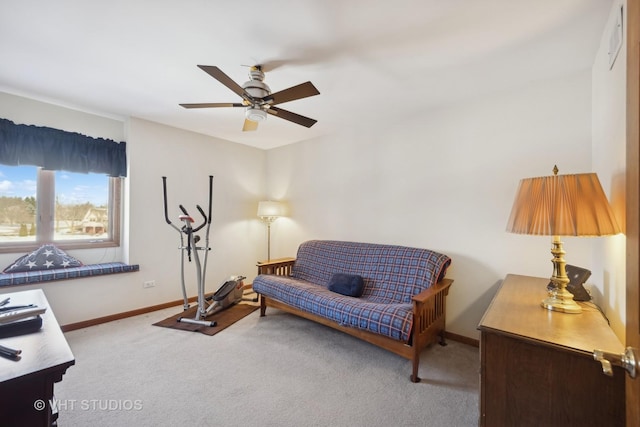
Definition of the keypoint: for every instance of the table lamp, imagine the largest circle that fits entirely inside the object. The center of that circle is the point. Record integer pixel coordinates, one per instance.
(269, 211)
(562, 205)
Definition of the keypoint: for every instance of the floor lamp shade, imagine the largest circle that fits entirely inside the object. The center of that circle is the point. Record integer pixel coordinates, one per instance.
(562, 205)
(269, 211)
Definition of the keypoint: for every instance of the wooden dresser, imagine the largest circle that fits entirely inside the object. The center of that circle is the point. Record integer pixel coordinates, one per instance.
(536, 365)
(26, 385)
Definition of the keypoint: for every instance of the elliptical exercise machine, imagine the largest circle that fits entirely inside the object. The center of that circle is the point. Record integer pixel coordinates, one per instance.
(230, 292)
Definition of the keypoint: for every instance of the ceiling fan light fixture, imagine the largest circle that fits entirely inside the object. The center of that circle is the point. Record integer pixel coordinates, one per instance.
(257, 99)
(256, 87)
(256, 114)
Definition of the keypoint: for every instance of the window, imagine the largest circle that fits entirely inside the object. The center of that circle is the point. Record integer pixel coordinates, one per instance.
(71, 195)
(72, 210)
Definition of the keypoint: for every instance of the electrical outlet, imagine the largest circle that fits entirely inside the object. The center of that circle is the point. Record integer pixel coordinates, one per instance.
(149, 284)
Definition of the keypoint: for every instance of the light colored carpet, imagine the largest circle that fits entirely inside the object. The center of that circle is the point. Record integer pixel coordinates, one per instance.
(279, 370)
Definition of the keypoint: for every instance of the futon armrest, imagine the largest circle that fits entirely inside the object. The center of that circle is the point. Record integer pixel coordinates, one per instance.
(441, 286)
(279, 267)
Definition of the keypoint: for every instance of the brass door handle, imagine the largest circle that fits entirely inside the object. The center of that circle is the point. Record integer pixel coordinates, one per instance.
(629, 360)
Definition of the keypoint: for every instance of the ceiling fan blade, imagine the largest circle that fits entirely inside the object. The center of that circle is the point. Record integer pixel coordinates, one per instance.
(217, 74)
(271, 65)
(213, 105)
(292, 117)
(249, 125)
(303, 90)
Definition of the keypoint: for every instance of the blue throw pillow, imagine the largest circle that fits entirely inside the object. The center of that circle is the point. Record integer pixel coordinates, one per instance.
(350, 285)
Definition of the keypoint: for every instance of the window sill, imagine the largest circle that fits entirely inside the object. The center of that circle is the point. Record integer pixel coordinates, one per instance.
(31, 277)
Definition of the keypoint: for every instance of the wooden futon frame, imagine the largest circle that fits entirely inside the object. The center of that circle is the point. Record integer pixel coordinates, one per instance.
(429, 314)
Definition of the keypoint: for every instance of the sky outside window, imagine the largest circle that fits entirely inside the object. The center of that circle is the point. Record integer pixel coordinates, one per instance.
(71, 188)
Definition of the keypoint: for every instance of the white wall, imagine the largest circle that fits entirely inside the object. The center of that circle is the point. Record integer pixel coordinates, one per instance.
(187, 159)
(609, 162)
(443, 179)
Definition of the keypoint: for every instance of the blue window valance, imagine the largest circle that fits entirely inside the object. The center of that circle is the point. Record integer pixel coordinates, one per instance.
(55, 149)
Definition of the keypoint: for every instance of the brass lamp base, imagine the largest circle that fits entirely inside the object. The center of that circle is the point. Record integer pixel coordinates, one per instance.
(565, 304)
(560, 299)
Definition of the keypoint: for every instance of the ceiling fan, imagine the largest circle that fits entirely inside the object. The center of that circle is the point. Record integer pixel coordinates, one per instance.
(257, 98)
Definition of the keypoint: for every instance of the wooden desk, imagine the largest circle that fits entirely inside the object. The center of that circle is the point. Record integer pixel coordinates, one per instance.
(536, 365)
(26, 386)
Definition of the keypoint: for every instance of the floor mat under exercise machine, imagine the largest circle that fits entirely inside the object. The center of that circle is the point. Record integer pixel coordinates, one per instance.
(224, 319)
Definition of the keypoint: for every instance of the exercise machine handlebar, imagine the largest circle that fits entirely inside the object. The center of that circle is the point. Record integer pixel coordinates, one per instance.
(198, 228)
(207, 218)
(210, 195)
(164, 192)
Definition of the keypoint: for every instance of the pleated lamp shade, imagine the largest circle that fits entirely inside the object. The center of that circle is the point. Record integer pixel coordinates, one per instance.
(562, 205)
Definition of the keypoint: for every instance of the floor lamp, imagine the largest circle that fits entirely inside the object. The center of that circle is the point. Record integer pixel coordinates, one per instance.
(269, 211)
(562, 205)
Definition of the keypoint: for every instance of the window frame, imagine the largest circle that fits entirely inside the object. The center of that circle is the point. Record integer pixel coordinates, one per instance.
(46, 206)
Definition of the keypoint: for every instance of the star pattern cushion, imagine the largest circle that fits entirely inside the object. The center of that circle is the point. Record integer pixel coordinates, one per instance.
(46, 257)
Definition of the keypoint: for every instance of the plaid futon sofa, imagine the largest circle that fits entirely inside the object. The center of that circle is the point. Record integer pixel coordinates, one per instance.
(400, 305)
